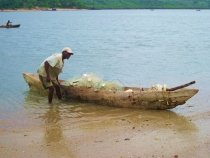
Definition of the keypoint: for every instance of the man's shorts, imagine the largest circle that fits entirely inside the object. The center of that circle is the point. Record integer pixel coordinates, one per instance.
(46, 84)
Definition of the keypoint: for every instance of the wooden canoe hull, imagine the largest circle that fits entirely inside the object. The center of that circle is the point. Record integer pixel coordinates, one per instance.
(139, 98)
(10, 26)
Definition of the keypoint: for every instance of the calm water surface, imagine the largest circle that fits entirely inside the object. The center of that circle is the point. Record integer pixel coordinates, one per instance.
(136, 47)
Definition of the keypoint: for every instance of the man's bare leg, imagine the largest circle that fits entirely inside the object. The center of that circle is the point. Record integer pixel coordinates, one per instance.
(50, 94)
(58, 92)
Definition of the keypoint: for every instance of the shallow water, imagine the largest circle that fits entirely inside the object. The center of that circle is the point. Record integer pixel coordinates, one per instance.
(135, 47)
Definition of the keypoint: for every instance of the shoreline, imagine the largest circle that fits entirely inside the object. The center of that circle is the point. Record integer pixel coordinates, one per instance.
(38, 9)
(73, 9)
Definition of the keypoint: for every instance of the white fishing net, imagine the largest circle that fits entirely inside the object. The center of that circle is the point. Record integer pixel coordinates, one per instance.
(91, 80)
(159, 87)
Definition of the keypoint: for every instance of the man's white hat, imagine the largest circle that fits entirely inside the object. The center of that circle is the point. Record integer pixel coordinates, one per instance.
(67, 49)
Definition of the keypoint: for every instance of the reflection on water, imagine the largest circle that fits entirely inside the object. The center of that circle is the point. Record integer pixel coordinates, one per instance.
(49, 115)
(53, 132)
(86, 115)
(59, 118)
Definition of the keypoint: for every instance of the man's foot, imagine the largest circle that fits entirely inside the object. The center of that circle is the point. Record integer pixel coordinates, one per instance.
(60, 100)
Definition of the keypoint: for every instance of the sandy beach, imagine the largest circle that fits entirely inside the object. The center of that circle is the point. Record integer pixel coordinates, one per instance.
(156, 136)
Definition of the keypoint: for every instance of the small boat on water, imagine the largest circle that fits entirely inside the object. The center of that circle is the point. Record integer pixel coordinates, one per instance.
(10, 26)
(129, 97)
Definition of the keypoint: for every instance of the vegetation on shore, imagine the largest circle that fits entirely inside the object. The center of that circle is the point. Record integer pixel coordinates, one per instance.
(106, 4)
(30, 4)
(146, 4)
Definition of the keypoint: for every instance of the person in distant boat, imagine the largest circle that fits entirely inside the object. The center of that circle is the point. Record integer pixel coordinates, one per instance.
(9, 23)
(50, 69)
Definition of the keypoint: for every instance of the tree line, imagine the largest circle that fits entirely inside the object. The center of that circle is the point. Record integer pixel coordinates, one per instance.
(147, 4)
(29, 4)
(106, 4)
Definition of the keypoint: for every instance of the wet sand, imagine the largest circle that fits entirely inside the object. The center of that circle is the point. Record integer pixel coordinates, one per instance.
(132, 134)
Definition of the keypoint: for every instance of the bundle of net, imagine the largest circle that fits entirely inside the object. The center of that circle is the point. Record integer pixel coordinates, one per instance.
(91, 80)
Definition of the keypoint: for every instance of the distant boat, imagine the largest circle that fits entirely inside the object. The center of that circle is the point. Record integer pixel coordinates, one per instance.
(53, 9)
(10, 26)
(198, 10)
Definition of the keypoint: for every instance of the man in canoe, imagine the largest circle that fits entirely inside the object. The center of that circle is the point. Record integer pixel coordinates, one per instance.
(50, 69)
(9, 23)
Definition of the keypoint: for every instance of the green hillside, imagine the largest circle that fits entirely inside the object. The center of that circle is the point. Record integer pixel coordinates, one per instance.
(107, 4)
(146, 4)
(16, 4)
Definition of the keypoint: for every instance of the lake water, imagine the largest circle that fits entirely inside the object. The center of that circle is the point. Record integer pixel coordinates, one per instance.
(135, 47)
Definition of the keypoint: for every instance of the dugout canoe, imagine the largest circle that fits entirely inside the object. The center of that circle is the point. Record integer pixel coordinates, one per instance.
(10, 26)
(128, 97)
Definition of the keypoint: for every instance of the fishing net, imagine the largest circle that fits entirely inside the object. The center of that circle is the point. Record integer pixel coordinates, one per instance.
(91, 80)
(158, 87)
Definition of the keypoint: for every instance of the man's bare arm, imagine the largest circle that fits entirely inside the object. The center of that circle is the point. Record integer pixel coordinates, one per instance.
(46, 65)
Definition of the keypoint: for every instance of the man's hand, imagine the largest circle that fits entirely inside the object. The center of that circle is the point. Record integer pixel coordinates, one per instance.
(58, 81)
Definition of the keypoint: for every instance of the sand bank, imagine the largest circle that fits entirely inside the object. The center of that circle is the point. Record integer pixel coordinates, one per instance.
(170, 137)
